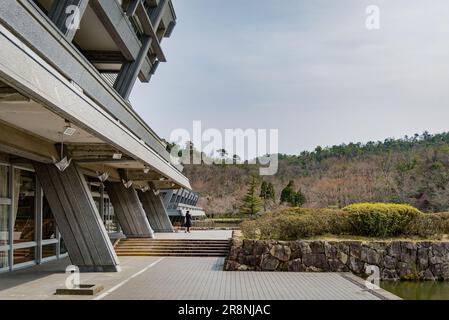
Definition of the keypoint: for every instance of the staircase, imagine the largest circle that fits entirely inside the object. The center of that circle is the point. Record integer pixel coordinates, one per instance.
(172, 247)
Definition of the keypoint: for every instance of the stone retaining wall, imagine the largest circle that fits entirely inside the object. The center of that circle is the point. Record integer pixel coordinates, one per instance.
(397, 260)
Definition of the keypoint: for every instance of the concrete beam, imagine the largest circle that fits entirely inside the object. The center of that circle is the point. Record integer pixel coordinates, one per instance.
(25, 20)
(31, 76)
(104, 57)
(155, 211)
(23, 144)
(129, 210)
(77, 218)
(66, 14)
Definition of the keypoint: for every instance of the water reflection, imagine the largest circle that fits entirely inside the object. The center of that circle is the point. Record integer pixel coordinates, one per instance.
(425, 290)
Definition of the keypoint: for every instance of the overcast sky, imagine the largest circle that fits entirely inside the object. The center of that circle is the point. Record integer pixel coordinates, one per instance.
(308, 68)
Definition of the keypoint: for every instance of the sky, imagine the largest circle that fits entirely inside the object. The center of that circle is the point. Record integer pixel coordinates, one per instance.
(310, 69)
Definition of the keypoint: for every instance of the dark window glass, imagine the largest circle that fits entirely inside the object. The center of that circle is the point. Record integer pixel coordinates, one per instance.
(24, 255)
(49, 250)
(63, 249)
(24, 206)
(48, 222)
(4, 259)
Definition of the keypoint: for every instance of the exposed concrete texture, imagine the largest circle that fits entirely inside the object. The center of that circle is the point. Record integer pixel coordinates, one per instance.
(65, 16)
(155, 211)
(129, 211)
(28, 24)
(77, 218)
(25, 71)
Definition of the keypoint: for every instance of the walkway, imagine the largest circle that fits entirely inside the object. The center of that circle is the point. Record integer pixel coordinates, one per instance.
(186, 278)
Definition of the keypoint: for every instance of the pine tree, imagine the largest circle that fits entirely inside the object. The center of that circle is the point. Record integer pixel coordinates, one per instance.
(271, 195)
(267, 194)
(263, 190)
(264, 194)
(251, 202)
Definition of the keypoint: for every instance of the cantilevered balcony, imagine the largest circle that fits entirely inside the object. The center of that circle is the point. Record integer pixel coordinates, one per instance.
(99, 63)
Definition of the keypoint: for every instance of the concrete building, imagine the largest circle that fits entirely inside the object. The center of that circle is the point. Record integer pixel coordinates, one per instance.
(178, 202)
(71, 146)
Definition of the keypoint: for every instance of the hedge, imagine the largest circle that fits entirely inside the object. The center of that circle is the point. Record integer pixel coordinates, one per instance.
(368, 219)
(380, 219)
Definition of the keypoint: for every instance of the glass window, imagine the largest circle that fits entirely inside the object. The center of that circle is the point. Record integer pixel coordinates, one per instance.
(4, 181)
(4, 259)
(4, 209)
(24, 206)
(62, 249)
(24, 255)
(48, 221)
(49, 250)
(4, 232)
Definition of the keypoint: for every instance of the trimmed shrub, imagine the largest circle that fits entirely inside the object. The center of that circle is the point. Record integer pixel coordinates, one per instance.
(296, 223)
(380, 219)
(368, 219)
(429, 224)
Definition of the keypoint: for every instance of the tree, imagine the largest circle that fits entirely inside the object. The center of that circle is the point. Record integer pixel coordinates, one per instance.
(271, 194)
(288, 192)
(235, 159)
(223, 153)
(251, 203)
(298, 199)
(267, 194)
(263, 190)
(288, 195)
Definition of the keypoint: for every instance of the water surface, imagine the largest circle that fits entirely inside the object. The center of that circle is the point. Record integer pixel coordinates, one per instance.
(415, 290)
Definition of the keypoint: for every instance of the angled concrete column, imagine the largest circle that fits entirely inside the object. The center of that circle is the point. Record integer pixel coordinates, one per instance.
(155, 210)
(77, 218)
(66, 13)
(130, 71)
(129, 211)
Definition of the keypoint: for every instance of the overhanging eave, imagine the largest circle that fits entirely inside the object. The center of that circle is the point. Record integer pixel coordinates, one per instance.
(33, 77)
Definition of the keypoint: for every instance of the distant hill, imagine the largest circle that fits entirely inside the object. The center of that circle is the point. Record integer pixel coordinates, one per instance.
(413, 170)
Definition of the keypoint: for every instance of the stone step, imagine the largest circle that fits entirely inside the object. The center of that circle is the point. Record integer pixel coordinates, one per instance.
(173, 247)
(170, 254)
(172, 241)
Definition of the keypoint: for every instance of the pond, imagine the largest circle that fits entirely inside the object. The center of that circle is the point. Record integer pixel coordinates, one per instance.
(415, 290)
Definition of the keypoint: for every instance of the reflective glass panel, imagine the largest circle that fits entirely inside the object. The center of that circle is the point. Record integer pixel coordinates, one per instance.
(48, 221)
(24, 206)
(24, 255)
(4, 259)
(49, 250)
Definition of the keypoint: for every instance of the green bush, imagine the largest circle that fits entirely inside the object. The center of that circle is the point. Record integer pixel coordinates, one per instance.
(371, 219)
(296, 223)
(380, 219)
(428, 225)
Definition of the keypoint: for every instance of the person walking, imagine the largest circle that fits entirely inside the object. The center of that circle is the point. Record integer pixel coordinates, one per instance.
(188, 221)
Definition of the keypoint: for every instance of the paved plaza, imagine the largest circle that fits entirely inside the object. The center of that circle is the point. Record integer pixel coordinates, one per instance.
(173, 278)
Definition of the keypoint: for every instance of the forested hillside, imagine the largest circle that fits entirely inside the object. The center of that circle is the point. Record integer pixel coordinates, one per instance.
(412, 170)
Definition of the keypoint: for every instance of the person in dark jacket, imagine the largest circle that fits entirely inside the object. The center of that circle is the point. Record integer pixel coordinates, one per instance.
(188, 221)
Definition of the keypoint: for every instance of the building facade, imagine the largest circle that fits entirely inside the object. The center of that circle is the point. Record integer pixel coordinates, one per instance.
(178, 202)
(76, 161)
